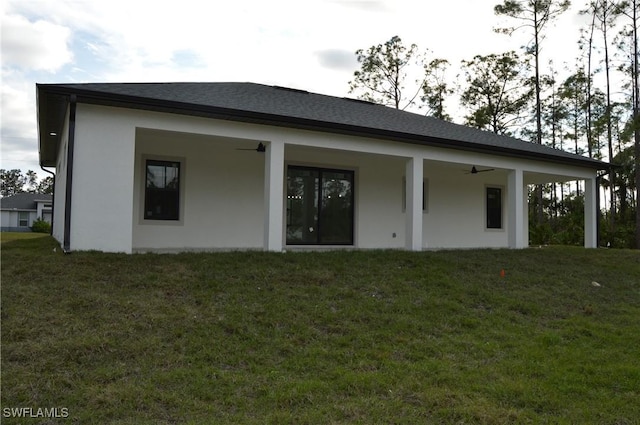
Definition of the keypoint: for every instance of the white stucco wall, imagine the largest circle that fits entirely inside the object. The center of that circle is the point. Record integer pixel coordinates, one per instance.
(379, 205)
(43, 210)
(456, 216)
(223, 191)
(378, 192)
(6, 219)
(10, 220)
(60, 185)
(103, 164)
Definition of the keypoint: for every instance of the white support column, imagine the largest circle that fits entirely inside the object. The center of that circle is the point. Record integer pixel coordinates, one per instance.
(414, 179)
(273, 196)
(515, 205)
(590, 214)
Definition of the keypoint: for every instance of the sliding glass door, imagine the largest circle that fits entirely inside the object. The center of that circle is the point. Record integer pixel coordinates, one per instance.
(319, 206)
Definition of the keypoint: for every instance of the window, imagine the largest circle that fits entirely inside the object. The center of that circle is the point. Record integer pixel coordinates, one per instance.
(162, 190)
(494, 208)
(425, 195)
(319, 206)
(23, 219)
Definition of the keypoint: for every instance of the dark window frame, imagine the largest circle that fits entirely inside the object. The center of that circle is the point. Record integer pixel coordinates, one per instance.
(321, 171)
(494, 208)
(167, 198)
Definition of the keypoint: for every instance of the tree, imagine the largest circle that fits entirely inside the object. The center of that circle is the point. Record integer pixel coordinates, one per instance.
(14, 181)
(32, 181)
(554, 114)
(630, 9)
(435, 89)
(599, 123)
(625, 178)
(588, 41)
(604, 14)
(572, 92)
(533, 14)
(495, 95)
(11, 182)
(383, 74)
(46, 185)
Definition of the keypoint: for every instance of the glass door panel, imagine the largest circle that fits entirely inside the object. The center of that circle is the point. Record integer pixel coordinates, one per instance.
(336, 213)
(302, 206)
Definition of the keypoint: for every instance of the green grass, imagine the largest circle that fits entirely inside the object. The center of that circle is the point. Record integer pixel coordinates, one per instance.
(377, 337)
(13, 236)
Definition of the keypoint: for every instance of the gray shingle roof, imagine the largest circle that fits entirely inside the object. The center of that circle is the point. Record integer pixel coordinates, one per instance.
(23, 201)
(285, 107)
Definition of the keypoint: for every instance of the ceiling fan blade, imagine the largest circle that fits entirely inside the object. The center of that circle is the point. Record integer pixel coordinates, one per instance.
(261, 148)
(474, 170)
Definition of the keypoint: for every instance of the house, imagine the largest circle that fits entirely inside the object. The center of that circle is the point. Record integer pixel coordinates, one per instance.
(207, 166)
(21, 210)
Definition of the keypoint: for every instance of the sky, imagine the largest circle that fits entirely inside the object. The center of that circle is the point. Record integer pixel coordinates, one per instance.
(304, 44)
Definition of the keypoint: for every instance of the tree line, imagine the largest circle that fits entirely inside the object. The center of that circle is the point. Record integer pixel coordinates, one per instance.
(15, 181)
(590, 107)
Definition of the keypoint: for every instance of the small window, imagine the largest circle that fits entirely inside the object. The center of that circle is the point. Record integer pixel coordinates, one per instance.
(23, 219)
(162, 190)
(494, 208)
(425, 195)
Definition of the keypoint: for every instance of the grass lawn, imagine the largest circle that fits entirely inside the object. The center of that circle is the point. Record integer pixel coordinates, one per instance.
(378, 337)
(13, 236)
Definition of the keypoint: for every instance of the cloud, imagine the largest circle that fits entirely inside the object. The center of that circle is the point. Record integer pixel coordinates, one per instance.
(19, 142)
(365, 5)
(337, 59)
(305, 44)
(17, 109)
(187, 58)
(35, 45)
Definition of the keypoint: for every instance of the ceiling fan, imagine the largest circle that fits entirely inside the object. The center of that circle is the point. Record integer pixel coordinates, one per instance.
(474, 170)
(261, 148)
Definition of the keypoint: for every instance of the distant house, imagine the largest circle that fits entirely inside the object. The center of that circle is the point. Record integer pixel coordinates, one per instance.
(21, 210)
(206, 166)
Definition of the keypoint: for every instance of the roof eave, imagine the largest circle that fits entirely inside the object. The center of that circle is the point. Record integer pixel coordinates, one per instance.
(51, 110)
(156, 105)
